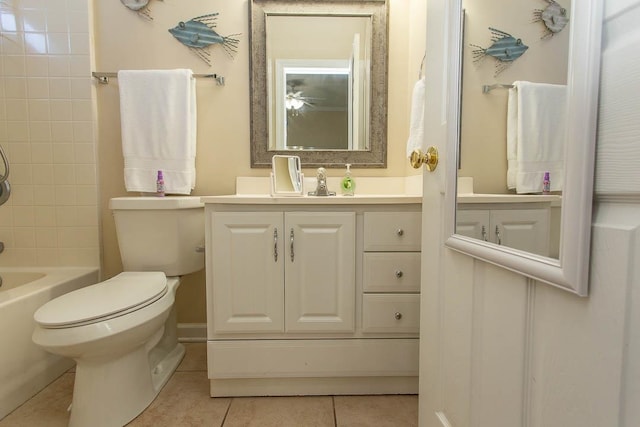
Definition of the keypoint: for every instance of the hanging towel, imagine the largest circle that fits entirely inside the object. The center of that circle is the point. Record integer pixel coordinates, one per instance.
(158, 120)
(416, 123)
(535, 136)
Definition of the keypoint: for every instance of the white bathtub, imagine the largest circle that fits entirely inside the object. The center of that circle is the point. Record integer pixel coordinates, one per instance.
(25, 369)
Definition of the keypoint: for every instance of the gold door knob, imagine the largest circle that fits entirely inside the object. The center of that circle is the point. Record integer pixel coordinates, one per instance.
(430, 159)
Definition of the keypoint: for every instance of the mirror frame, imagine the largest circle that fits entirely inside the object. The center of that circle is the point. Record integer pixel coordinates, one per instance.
(571, 271)
(376, 155)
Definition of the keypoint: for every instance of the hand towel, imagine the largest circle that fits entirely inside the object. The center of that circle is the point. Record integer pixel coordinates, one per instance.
(158, 121)
(535, 136)
(416, 123)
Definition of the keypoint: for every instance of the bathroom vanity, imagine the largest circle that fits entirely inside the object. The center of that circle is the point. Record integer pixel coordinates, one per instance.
(312, 295)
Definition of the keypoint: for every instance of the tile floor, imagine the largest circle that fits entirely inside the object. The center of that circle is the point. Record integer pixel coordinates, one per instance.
(185, 401)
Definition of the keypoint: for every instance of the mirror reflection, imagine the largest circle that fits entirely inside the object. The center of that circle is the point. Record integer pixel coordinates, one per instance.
(318, 97)
(319, 81)
(512, 135)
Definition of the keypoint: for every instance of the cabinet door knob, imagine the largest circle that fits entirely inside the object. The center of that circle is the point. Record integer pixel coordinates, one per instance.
(399, 274)
(398, 315)
(400, 232)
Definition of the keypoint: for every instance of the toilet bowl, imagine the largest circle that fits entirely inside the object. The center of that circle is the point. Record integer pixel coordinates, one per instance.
(122, 332)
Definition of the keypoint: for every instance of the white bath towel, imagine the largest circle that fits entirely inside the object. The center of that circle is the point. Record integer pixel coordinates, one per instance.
(416, 123)
(158, 120)
(535, 136)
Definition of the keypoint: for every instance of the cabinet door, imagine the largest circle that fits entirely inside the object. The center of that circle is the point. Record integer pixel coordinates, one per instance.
(320, 272)
(248, 276)
(524, 229)
(473, 223)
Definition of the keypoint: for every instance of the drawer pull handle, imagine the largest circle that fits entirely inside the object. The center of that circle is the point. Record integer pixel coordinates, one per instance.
(399, 274)
(400, 232)
(398, 315)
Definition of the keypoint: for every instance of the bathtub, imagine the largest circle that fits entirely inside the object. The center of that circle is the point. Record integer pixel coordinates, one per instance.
(25, 369)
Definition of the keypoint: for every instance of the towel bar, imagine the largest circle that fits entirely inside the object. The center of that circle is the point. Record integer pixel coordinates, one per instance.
(103, 78)
(489, 88)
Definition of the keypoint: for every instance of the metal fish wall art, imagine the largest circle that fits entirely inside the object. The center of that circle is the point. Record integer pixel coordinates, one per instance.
(198, 34)
(505, 49)
(554, 17)
(139, 6)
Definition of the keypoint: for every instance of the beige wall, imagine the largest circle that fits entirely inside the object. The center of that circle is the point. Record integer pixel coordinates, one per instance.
(47, 131)
(483, 144)
(223, 112)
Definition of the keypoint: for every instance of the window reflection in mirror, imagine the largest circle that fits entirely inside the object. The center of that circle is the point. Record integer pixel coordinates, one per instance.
(318, 81)
(312, 106)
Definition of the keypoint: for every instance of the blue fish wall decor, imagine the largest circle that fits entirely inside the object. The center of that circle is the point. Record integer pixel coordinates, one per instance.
(198, 34)
(139, 6)
(505, 49)
(554, 17)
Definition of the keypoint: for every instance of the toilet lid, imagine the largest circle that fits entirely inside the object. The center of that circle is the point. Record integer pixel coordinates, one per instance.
(121, 294)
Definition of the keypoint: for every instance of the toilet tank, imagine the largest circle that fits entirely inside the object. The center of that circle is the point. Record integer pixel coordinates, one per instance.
(160, 233)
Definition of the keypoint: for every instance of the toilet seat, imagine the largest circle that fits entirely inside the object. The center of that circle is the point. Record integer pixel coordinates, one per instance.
(115, 297)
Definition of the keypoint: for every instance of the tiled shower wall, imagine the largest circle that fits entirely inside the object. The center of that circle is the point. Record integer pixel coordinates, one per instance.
(47, 130)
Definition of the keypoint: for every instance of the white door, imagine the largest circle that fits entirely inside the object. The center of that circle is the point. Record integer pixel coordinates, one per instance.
(474, 330)
(500, 350)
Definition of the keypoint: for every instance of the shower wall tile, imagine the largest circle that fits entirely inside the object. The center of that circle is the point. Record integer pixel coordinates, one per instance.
(40, 131)
(43, 195)
(46, 216)
(60, 88)
(24, 237)
(47, 130)
(42, 174)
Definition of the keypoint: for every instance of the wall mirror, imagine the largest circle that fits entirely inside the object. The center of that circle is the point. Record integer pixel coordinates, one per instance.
(546, 237)
(319, 81)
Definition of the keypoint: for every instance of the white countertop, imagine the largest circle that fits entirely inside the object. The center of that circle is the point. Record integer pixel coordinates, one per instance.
(374, 199)
(262, 199)
(508, 198)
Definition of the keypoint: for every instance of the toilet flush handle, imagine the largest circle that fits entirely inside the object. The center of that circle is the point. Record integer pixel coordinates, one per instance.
(200, 249)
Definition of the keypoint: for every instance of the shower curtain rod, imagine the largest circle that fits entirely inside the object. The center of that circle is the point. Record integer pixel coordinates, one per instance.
(103, 78)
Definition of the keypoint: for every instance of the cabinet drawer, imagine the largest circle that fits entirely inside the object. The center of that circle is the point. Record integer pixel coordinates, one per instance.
(391, 272)
(390, 313)
(392, 231)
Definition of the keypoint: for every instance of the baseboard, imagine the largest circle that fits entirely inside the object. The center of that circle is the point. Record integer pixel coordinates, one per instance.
(192, 332)
(312, 386)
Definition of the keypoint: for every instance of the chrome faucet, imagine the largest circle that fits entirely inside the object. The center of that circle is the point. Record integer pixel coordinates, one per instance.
(321, 188)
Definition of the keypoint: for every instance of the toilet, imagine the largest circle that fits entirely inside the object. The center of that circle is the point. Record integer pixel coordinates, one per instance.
(122, 332)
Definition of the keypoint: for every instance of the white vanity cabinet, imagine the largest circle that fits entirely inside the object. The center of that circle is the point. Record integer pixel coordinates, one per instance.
(312, 295)
(283, 272)
(515, 226)
(391, 272)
